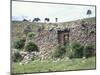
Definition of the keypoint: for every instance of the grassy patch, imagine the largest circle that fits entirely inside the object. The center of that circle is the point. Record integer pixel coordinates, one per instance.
(51, 65)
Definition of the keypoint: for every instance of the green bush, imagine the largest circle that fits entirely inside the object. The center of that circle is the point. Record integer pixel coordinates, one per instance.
(19, 43)
(76, 50)
(68, 51)
(79, 51)
(31, 34)
(27, 29)
(16, 57)
(89, 51)
(59, 52)
(31, 47)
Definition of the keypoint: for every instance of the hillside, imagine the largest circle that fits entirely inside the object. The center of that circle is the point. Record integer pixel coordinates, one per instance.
(17, 27)
(66, 46)
(48, 35)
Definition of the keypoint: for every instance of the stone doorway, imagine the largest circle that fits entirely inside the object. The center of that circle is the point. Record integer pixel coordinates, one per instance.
(63, 36)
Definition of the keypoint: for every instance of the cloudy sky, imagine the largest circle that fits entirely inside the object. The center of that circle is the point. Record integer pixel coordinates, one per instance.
(64, 13)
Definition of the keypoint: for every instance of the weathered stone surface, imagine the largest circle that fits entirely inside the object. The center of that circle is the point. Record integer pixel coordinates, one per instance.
(47, 38)
(27, 57)
(84, 36)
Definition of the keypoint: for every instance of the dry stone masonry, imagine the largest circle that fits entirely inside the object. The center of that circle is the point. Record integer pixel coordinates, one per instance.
(49, 37)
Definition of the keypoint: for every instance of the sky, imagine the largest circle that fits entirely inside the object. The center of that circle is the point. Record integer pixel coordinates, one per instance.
(63, 12)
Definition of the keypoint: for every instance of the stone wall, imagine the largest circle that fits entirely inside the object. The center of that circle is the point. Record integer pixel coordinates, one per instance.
(84, 34)
(47, 39)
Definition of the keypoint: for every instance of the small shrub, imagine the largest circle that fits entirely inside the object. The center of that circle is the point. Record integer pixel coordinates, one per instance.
(31, 47)
(83, 23)
(27, 29)
(25, 20)
(67, 47)
(76, 50)
(89, 51)
(31, 34)
(59, 52)
(16, 57)
(19, 43)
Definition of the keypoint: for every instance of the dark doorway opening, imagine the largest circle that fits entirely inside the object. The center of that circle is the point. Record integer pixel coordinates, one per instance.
(63, 36)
